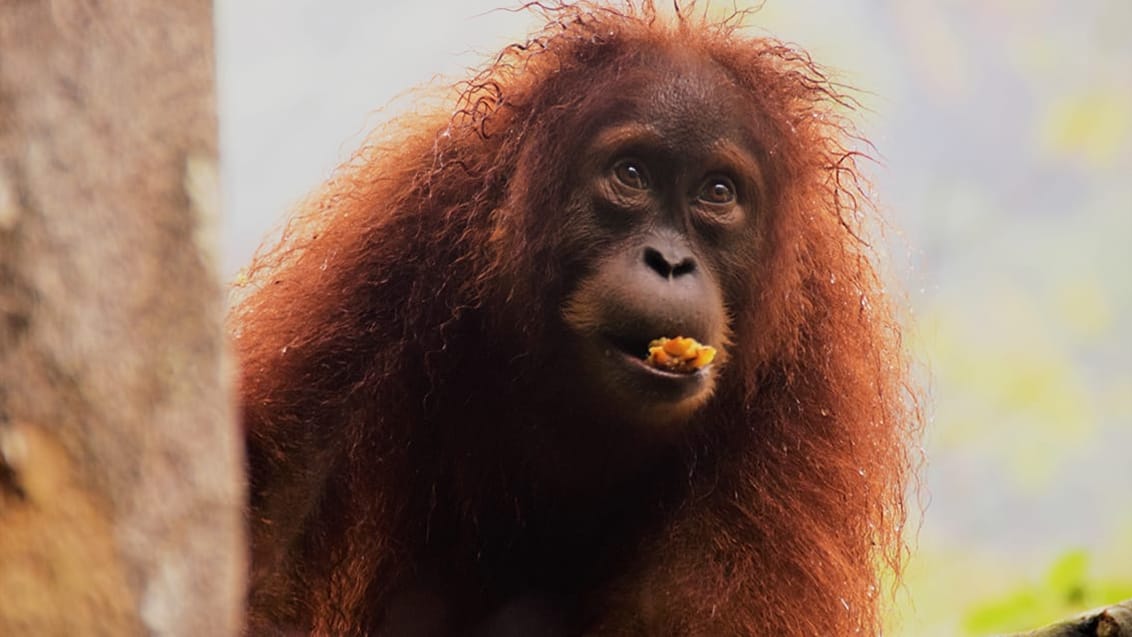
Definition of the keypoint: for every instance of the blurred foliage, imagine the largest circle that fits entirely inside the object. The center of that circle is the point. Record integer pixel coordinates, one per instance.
(1066, 589)
(950, 592)
(1012, 387)
(1093, 125)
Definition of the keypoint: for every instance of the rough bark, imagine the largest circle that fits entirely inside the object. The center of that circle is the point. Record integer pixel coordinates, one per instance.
(1113, 621)
(120, 464)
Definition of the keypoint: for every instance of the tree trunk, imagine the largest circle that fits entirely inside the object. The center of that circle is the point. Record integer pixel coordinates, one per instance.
(120, 462)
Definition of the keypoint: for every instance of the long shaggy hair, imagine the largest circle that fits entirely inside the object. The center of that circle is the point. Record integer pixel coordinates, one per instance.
(415, 267)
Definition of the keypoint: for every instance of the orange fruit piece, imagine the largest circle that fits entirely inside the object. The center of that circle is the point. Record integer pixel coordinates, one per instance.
(679, 354)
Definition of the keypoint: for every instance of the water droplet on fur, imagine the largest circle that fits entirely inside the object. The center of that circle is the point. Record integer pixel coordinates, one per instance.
(323, 266)
(284, 350)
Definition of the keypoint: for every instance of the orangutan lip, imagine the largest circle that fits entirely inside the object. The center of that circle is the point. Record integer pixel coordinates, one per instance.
(637, 351)
(679, 381)
(640, 362)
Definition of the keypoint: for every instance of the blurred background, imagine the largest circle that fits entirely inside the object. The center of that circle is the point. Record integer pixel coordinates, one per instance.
(1004, 139)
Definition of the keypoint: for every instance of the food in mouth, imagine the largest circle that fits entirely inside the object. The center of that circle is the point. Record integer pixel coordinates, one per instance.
(680, 354)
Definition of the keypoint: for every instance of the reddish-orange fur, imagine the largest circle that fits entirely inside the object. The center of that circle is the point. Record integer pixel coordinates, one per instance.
(395, 274)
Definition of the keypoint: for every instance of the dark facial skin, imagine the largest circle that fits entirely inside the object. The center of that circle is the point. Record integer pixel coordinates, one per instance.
(670, 182)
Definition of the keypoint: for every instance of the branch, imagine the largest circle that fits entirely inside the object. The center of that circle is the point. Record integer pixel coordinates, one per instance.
(1113, 621)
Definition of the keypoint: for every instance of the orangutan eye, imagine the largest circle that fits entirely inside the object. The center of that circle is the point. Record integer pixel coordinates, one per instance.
(717, 190)
(632, 173)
